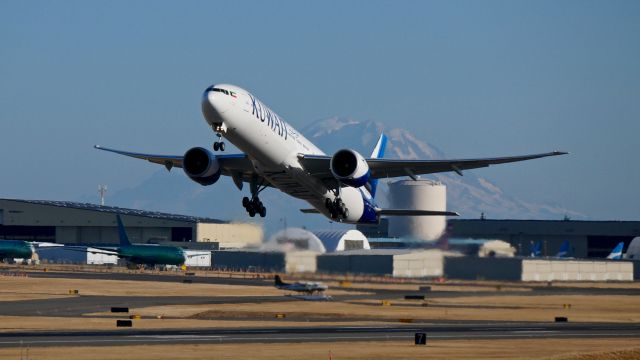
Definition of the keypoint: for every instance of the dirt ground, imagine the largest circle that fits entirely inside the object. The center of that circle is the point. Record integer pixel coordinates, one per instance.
(488, 304)
(560, 349)
(25, 288)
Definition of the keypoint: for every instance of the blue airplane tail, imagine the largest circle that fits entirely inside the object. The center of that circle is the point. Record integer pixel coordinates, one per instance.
(377, 153)
(122, 233)
(535, 250)
(565, 250)
(616, 253)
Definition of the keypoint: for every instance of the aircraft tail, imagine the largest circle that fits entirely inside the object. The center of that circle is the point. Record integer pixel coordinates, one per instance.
(616, 253)
(278, 281)
(377, 153)
(565, 250)
(535, 249)
(122, 233)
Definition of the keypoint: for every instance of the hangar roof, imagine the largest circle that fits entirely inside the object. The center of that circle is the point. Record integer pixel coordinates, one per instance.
(119, 210)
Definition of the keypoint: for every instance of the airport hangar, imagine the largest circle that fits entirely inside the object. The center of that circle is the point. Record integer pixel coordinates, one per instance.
(589, 239)
(89, 224)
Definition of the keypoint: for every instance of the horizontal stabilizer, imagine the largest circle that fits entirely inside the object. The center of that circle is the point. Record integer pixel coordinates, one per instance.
(310, 211)
(410, 212)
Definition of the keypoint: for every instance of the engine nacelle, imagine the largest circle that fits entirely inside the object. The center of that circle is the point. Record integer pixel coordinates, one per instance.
(350, 168)
(201, 166)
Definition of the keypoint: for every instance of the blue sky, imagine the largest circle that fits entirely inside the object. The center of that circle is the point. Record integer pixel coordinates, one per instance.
(474, 78)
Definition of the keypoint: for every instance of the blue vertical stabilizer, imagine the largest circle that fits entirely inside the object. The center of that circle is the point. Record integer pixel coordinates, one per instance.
(535, 249)
(377, 153)
(565, 250)
(616, 253)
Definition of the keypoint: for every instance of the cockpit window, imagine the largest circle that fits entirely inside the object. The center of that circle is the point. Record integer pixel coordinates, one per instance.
(227, 92)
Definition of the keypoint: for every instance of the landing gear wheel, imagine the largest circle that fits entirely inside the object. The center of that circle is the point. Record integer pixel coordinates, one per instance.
(216, 146)
(221, 146)
(254, 206)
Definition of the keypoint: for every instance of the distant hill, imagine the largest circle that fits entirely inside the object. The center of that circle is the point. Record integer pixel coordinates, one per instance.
(469, 195)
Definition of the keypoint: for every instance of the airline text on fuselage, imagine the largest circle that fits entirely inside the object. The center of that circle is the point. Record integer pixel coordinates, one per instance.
(263, 113)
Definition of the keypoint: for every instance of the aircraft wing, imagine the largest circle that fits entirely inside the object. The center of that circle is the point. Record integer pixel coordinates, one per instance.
(237, 166)
(95, 250)
(318, 165)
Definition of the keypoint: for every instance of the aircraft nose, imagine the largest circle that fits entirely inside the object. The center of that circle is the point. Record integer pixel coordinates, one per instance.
(214, 105)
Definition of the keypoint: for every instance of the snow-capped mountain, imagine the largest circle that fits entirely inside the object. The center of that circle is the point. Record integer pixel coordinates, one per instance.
(469, 195)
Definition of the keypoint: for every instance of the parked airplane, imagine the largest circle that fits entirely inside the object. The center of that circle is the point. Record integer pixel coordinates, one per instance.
(301, 287)
(140, 254)
(342, 186)
(565, 250)
(616, 253)
(15, 249)
(535, 250)
(19, 249)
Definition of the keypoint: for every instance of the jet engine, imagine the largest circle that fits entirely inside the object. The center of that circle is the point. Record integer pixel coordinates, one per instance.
(201, 166)
(350, 168)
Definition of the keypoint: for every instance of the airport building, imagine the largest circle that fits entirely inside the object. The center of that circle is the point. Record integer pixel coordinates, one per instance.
(588, 239)
(396, 263)
(264, 261)
(89, 224)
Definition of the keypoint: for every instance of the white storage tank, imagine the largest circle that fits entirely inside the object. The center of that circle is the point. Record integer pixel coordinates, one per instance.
(418, 195)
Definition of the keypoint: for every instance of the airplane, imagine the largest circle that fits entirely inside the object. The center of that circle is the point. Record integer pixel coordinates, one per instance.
(565, 250)
(16, 249)
(535, 250)
(616, 253)
(341, 186)
(20, 249)
(139, 254)
(301, 287)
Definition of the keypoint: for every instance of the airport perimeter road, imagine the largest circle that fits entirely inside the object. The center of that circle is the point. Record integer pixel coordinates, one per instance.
(472, 331)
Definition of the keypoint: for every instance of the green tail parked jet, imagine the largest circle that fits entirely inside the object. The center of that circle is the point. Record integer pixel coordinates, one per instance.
(141, 254)
(15, 249)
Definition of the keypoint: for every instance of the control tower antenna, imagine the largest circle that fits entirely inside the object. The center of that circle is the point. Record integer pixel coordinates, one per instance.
(102, 191)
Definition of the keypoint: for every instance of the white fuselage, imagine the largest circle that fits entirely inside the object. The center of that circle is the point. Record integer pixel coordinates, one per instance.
(273, 147)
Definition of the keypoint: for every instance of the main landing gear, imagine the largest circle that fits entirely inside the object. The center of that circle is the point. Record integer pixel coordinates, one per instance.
(337, 209)
(218, 145)
(254, 206)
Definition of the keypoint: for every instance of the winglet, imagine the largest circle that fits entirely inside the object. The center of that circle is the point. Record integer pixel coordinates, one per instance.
(122, 233)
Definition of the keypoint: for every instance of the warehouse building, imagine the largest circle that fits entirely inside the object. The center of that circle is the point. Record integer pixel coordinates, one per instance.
(88, 224)
(264, 261)
(589, 239)
(396, 263)
(297, 239)
(526, 269)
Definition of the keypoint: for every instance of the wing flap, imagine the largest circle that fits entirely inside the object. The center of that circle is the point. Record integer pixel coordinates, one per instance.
(309, 211)
(412, 212)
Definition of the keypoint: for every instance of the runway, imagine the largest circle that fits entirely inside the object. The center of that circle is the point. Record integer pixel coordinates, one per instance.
(463, 331)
